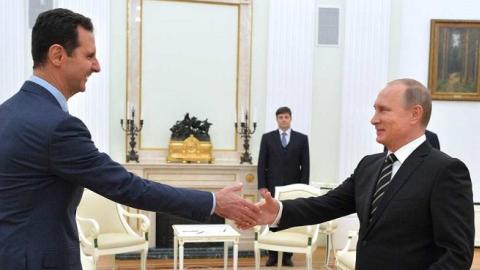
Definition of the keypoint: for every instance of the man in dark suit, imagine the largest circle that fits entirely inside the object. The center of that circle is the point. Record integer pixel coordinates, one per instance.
(283, 160)
(47, 158)
(421, 218)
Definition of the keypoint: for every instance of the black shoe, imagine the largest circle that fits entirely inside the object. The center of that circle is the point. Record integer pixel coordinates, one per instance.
(271, 261)
(287, 262)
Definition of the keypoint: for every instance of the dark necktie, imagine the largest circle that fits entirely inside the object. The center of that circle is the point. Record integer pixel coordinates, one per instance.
(284, 139)
(383, 181)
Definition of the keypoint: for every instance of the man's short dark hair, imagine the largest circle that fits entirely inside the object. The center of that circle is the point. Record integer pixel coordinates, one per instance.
(56, 26)
(416, 94)
(283, 110)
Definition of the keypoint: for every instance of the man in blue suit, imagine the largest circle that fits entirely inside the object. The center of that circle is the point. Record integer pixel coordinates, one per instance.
(48, 157)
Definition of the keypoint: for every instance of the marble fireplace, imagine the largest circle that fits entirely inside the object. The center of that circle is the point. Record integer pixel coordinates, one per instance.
(209, 177)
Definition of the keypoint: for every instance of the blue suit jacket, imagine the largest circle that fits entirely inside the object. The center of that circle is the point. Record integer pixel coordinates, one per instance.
(47, 158)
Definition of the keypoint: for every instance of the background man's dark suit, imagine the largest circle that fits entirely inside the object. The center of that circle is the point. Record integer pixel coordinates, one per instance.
(432, 138)
(278, 166)
(424, 220)
(50, 157)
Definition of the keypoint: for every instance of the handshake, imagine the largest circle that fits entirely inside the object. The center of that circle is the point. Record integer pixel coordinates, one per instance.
(244, 213)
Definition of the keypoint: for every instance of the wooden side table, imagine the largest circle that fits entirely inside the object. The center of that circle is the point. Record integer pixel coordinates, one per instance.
(195, 233)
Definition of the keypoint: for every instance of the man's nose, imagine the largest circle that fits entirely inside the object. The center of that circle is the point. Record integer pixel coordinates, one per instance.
(96, 66)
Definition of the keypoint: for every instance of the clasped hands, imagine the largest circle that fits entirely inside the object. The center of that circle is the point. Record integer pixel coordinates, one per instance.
(245, 214)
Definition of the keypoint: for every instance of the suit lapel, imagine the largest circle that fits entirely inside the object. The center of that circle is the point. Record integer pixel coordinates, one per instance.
(292, 139)
(278, 140)
(371, 186)
(400, 178)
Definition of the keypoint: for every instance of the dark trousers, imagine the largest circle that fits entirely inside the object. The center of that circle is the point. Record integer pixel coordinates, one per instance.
(274, 254)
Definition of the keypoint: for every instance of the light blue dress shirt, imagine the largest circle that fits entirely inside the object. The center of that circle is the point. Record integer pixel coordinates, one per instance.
(54, 91)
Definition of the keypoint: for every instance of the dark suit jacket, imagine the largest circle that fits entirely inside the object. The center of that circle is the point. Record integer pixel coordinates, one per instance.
(47, 157)
(424, 221)
(432, 138)
(278, 166)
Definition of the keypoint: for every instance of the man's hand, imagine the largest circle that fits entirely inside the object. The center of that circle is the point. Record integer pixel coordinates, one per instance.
(262, 190)
(230, 205)
(269, 208)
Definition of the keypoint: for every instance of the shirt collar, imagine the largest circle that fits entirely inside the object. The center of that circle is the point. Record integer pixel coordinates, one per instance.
(54, 91)
(288, 131)
(405, 151)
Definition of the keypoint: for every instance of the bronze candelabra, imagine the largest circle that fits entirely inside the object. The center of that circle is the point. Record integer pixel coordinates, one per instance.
(246, 133)
(132, 131)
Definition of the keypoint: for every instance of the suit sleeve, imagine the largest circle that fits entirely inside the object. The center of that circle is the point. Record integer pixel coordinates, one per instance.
(74, 158)
(453, 217)
(262, 164)
(305, 163)
(336, 203)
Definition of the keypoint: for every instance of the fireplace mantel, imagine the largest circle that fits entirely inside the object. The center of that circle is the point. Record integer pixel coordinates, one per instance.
(209, 177)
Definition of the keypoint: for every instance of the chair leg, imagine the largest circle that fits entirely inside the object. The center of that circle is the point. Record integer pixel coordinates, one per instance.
(114, 267)
(327, 250)
(257, 258)
(279, 260)
(332, 248)
(143, 260)
(309, 260)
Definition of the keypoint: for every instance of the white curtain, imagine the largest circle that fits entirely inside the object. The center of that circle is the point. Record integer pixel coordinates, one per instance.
(365, 70)
(13, 47)
(92, 106)
(290, 61)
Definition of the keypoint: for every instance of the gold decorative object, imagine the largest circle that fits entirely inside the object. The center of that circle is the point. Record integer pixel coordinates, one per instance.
(190, 150)
(249, 178)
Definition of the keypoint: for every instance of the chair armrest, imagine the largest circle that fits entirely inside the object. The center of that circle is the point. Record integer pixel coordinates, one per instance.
(144, 226)
(260, 230)
(145, 221)
(351, 235)
(93, 230)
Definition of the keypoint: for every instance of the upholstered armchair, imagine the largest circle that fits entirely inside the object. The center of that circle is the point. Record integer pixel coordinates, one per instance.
(300, 239)
(345, 258)
(103, 229)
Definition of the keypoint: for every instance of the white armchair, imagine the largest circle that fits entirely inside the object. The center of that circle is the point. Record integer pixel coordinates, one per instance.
(345, 258)
(300, 239)
(104, 230)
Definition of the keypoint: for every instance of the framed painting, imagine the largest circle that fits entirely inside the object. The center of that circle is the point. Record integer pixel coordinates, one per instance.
(454, 60)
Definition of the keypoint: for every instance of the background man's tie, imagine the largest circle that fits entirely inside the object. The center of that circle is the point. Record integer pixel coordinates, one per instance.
(284, 139)
(383, 181)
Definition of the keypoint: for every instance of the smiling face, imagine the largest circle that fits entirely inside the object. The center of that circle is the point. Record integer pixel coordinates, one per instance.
(80, 64)
(395, 123)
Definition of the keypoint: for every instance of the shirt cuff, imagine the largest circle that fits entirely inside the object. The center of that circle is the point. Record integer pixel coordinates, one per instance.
(279, 215)
(214, 204)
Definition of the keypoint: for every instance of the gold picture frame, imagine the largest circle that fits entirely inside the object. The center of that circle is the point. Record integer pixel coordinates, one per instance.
(454, 69)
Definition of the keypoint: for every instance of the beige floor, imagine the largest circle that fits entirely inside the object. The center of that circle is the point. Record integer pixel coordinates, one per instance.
(244, 263)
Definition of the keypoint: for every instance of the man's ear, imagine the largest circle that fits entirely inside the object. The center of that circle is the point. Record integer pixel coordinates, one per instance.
(417, 114)
(56, 54)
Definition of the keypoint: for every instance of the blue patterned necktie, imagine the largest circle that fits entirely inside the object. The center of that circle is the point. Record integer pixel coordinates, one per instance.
(284, 139)
(384, 179)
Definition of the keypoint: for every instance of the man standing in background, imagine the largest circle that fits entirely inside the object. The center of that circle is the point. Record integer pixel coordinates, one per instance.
(283, 160)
